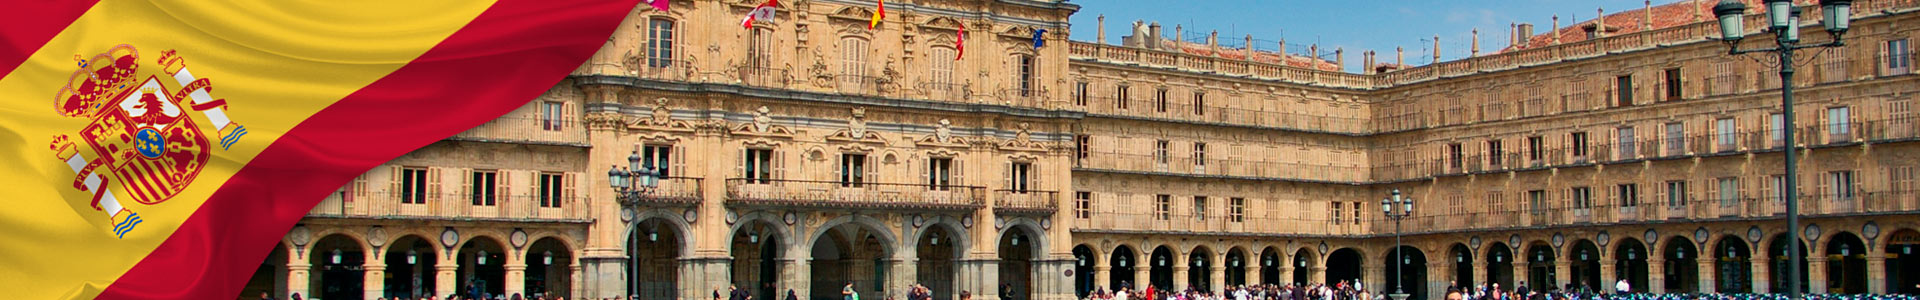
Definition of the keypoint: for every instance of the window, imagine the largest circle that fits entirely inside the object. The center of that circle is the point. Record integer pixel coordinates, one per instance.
(1162, 207)
(853, 170)
(760, 51)
(551, 113)
(1537, 200)
(1018, 179)
(1083, 205)
(1236, 209)
(1673, 84)
(1082, 146)
(1777, 128)
(1026, 72)
(483, 187)
(1729, 191)
(1080, 93)
(757, 165)
(657, 157)
(1841, 183)
(1199, 103)
(1898, 62)
(1160, 100)
(1199, 207)
(1623, 90)
(1723, 133)
(943, 70)
(1837, 125)
(939, 173)
(660, 43)
(1337, 208)
(1455, 155)
(1199, 155)
(853, 61)
(1578, 141)
(1493, 152)
(1776, 189)
(1676, 138)
(1629, 194)
(1160, 152)
(551, 186)
(1626, 142)
(1356, 212)
(1120, 98)
(413, 185)
(1534, 152)
(1582, 198)
(1676, 193)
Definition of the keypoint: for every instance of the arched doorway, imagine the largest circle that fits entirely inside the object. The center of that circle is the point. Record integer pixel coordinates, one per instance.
(1016, 263)
(653, 253)
(1630, 264)
(1161, 273)
(1585, 266)
(549, 269)
(1236, 268)
(756, 258)
(1903, 266)
(1500, 265)
(1123, 261)
(410, 267)
(1846, 264)
(1733, 273)
(1270, 266)
(1303, 263)
(1410, 275)
(271, 277)
(1083, 258)
(1681, 266)
(1462, 259)
(936, 251)
(1777, 250)
(1344, 265)
(1540, 270)
(482, 271)
(1198, 262)
(851, 253)
(337, 261)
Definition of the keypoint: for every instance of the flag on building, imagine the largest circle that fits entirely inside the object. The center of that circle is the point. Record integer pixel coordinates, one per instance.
(764, 11)
(960, 42)
(879, 12)
(184, 138)
(1039, 38)
(659, 4)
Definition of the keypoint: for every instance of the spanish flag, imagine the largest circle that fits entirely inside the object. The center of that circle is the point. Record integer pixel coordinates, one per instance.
(159, 149)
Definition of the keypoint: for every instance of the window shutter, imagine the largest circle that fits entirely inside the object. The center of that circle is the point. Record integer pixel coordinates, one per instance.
(1825, 186)
(923, 166)
(1660, 194)
(839, 168)
(1858, 179)
(395, 190)
(433, 184)
(566, 115)
(466, 184)
(779, 164)
(501, 194)
(359, 187)
(741, 168)
(569, 190)
(1881, 63)
(679, 161)
(1006, 171)
(959, 171)
(872, 168)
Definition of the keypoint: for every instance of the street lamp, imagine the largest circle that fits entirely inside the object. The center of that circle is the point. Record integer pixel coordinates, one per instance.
(1406, 209)
(630, 185)
(1784, 21)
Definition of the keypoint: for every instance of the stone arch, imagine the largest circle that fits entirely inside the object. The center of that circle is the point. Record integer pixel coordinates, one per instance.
(879, 228)
(678, 224)
(783, 233)
(950, 224)
(1032, 229)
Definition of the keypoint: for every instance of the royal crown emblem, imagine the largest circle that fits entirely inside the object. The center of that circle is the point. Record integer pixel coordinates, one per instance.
(140, 135)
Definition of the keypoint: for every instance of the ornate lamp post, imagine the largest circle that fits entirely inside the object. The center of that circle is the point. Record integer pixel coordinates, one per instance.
(1783, 19)
(630, 185)
(1406, 209)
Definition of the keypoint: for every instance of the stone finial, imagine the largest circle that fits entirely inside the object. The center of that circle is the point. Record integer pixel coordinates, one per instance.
(1283, 49)
(1249, 47)
(1513, 34)
(1340, 58)
(1313, 51)
(1213, 40)
(1646, 15)
(1179, 33)
(1600, 23)
(1400, 56)
(1436, 48)
(1475, 51)
(1367, 63)
(1696, 10)
(1555, 31)
(1102, 37)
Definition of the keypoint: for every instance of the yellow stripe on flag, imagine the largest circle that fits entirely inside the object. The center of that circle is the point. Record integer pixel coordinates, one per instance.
(274, 63)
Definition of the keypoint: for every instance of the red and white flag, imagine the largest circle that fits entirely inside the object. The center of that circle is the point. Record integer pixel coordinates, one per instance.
(764, 11)
(659, 4)
(960, 43)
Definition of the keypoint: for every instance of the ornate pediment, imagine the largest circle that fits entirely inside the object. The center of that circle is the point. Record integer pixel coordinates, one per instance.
(945, 24)
(661, 119)
(942, 137)
(762, 125)
(857, 130)
(860, 14)
(1023, 141)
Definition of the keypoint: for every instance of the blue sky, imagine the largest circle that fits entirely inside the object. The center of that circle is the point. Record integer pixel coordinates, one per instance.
(1356, 25)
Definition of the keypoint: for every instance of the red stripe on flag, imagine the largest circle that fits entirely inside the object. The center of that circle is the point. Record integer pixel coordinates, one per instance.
(140, 179)
(30, 24)
(511, 53)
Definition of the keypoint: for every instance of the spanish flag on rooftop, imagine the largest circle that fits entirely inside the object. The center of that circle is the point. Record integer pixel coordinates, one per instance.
(159, 149)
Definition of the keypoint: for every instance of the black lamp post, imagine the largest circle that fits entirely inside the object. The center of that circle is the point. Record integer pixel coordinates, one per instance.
(630, 185)
(1406, 209)
(1783, 19)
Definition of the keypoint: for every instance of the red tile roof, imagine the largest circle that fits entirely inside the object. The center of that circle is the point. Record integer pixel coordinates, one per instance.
(1664, 16)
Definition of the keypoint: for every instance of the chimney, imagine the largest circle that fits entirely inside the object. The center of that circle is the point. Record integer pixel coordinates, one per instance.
(1513, 34)
(1283, 50)
(1696, 9)
(1555, 31)
(1153, 35)
(1249, 46)
(1179, 34)
(1525, 33)
(1340, 58)
(1213, 42)
(1436, 48)
(1103, 29)
(1313, 52)
(1399, 56)
(1367, 63)
(1476, 44)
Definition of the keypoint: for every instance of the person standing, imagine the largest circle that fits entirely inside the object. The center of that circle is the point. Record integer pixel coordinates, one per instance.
(1622, 287)
(847, 292)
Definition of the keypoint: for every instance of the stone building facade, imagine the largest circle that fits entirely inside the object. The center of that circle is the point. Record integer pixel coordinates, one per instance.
(807, 152)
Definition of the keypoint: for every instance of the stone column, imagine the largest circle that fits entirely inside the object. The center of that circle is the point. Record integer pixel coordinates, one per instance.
(1102, 276)
(900, 275)
(1607, 275)
(1816, 273)
(1480, 274)
(1876, 267)
(794, 275)
(443, 278)
(1656, 275)
(297, 279)
(1522, 273)
(374, 284)
(1286, 274)
(1762, 279)
(1562, 274)
(1180, 278)
(516, 278)
(1705, 271)
(576, 288)
(1319, 274)
(1142, 276)
(1218, 280)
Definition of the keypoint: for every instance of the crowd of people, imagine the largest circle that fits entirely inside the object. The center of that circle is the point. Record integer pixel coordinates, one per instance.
(1338, 291)
(1355, 291)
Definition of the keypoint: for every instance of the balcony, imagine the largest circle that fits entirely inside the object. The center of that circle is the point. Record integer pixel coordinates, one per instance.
(1136, 221)
(954, 92)
(673, 192)
(1012, 202)
(458, 206)
(521, 129)
(1222, 167)
(762, 76)
(834, 194)
(1185, 111)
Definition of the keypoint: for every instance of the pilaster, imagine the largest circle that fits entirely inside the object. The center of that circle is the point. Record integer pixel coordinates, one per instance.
(374, 284)
(1180, 279)
(516, 278)
(1607, 275)
(1816, 273)
(444, 279)
(1876, 268)
(1102, 276)
(297, 280)
(1656, 276)
(1218, 279)
(1704, 268)
(1762, 279)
